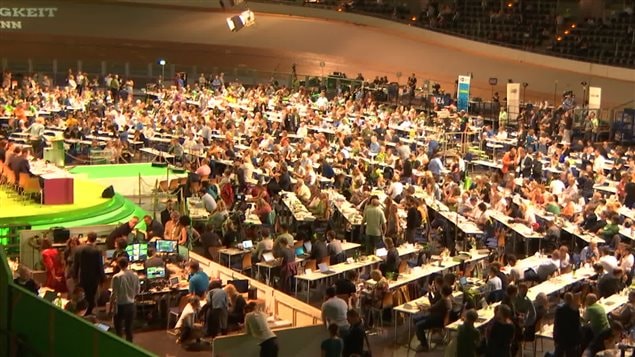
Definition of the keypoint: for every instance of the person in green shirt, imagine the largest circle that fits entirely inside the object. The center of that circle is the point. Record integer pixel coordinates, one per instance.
(610, 229)
(595, 315)
(468, 338)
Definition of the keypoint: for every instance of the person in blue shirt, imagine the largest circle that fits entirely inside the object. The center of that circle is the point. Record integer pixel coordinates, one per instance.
(199, 281)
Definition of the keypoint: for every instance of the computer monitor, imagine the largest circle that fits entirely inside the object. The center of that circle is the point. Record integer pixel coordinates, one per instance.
(155, 272)
(137, 252)
(299, 251)
(241, 285)
(166, 246)
(247, 244)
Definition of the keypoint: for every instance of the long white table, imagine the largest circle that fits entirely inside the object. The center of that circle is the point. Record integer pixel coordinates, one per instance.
(338, 269)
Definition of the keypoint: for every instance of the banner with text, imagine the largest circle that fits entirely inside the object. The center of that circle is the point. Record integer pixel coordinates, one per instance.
(513, 100)
(463, 99)
(595, 97)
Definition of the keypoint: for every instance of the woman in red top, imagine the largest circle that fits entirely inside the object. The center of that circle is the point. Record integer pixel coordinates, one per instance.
(54, 266)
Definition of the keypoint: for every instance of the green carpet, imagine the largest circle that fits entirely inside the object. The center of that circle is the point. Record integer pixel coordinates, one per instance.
(114, 171)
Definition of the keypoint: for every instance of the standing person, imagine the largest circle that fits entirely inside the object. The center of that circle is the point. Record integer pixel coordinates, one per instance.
(501, 334)
(334, 312)
(36, 136)
(125, 287)
(54, 266)
(468, 337)
(354, 341)
(88, 269)
(375, 222)
(218, 310)
(332, 346)
(256, 326)
(199, 281)
(567, 329)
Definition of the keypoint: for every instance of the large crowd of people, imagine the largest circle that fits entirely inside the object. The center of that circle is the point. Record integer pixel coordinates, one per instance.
(397, 165)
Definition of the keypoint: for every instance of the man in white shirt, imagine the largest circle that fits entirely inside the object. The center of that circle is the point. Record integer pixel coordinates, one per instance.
(257, 327)
(186, 325)
(302, 191)
(556, 186)
(396, 187)
(608, 261)
(334, 311)
(208, 201)
(125, 287)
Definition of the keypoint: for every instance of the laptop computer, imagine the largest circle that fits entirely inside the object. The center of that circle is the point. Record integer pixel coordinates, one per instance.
(324, 269)
(308, 246)
(242, 286)
(247, 244)
(50, 296)
(268, 257)
(463, 282)
(110, 253)
(381, 252)
(299, 251)
(174, 281)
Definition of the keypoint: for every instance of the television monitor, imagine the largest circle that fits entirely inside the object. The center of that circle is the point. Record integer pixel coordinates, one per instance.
(155, 272)
(241, 285)
(137, 252)
(166, 246)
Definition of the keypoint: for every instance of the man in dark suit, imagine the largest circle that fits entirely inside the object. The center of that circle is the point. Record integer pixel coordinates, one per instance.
(165, 214)
(122, 230)
(88, 269)
(526, 164)
(566, 328)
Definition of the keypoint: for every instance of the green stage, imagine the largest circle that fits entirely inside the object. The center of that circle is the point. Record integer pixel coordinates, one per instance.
(87, 210)
(118, 171)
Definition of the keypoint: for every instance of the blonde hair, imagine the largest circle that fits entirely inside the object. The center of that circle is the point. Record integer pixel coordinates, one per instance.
(231, 291)
(376, 275)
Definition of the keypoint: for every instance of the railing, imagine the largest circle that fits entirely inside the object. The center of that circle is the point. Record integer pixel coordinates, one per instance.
(31, 326)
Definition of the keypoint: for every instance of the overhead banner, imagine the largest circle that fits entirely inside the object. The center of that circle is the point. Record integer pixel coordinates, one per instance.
(513, 100)
(463, 98)
(595, 97)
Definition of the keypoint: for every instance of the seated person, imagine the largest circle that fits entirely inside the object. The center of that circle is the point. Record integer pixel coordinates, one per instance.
(391, 265)
(626, 314)
(187, 327)
(434, 318)
(334, 247)
(494, 286)
(153, 260)
(319, 250)
(347, 288)
(610, 283)
(375, 297)
(25, 280)
(76, 297)
(606, 340)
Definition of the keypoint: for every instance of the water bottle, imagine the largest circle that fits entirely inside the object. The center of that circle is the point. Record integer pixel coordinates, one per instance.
(58, 300)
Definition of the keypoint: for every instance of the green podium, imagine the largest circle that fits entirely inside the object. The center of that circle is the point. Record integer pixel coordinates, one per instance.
(56, 153)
